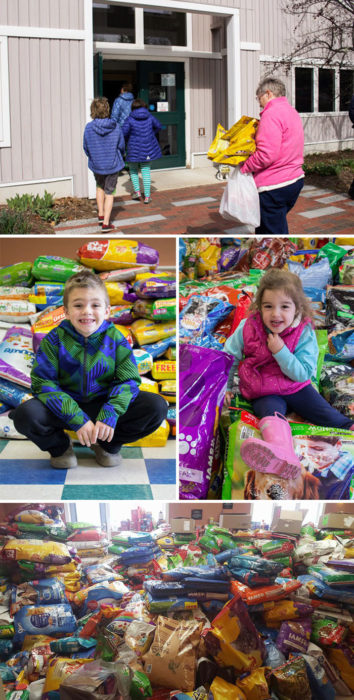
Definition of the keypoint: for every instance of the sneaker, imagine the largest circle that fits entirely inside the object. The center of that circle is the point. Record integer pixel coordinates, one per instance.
(136, 195)
(100, 220)
(106, 459)
(107, 227)
(65, 461)
(147, 200)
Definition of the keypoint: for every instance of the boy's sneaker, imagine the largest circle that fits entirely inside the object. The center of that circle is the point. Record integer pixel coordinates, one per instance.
(65, 461)
(107, 459)
(107, 227)
(100, 220)
(147, 200)
(136, 195)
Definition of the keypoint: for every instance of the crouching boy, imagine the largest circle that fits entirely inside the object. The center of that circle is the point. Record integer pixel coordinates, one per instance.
(85, 378)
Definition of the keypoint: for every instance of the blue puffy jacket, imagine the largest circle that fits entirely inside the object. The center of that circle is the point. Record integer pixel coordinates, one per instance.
(140, 130)
(104, 145)
(121, 107)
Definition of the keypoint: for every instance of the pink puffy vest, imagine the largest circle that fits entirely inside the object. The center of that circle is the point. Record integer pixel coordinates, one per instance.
(259, 372)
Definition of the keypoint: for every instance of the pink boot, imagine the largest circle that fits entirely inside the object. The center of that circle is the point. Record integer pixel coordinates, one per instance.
(275, 453)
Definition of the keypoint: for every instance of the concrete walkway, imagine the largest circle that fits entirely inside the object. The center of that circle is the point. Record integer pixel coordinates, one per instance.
(187, 202)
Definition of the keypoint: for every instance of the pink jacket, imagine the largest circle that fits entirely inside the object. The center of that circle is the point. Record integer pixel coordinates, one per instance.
(259, 372)
(280, 145)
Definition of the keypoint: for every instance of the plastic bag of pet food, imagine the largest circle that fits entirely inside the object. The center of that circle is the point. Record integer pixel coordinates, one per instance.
(15, 293)
(16, 310)
(140, 686)
(123, 275)
(245, 425)
(290, 681)
(241, 142)
(327, 632)
(319, 274)
(47, 619)
(341, 344)
(233, 639)
(339, 306)
(100, 679)
(45, 591)
(54, 268)
(346, 269)
(12, 394)
(164, 369)
(172, 658)
(286, 610)
(155, 288)
(17, 356)
(168, 390)
(36, 551)
(274, 657)
(334, 253)
(263, 594)
(219, 143)
(8, 430)
(343, 659)
(71, 645)
(322, 688)
(116, 254)
(59, 669)
(200, 316)
(222, 690)
(18, 274)
(294, 635)
(203, 379)
(143, 360)
(156, 439)
(120, 293)
(254, 686)
(146, 332)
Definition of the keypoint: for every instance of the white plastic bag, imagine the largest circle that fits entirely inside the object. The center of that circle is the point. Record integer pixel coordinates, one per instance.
(240, 200)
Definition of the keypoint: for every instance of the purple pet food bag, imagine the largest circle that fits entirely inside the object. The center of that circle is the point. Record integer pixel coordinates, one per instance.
(203, 379)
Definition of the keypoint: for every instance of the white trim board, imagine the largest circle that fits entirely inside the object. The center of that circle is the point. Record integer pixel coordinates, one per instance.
(5, 127)
(41, 32)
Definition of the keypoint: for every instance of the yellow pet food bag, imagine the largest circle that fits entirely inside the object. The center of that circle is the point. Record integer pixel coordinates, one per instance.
(116, 254)
(164, 369)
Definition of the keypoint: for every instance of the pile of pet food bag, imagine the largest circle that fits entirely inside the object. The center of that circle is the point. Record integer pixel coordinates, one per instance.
(218, 281)
(143, 307)
(213, 615)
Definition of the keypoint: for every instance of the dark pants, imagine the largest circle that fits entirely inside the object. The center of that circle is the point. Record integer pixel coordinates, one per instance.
(275, 205)
(39, 424)
(307, 403)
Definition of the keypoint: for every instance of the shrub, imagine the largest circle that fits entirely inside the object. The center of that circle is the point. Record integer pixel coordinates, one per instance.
(43, 206)
(14, 222)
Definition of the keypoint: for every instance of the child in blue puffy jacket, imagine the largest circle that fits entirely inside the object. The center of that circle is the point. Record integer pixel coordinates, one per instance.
(140, 131)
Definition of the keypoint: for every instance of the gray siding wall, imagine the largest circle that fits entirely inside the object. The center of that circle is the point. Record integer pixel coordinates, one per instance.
(47, 112)
(63, 14)
(208, 100)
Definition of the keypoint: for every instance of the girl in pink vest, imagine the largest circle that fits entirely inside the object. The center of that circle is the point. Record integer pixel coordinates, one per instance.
(276, 353)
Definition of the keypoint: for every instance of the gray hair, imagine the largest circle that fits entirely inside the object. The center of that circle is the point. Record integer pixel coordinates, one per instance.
(275, 86)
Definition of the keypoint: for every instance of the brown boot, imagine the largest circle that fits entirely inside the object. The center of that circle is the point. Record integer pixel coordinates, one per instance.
(106, 459)
(65, 461)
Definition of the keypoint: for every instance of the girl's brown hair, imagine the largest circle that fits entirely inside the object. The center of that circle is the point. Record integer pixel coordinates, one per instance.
(138, 103)
(100, 108)
(290, 284)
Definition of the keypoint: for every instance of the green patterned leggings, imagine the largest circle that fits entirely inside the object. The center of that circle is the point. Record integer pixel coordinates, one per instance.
(145, 173)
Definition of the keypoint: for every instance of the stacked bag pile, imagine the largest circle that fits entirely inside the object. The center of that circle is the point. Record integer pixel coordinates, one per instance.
(218, 282)
(257, 614)
(143, 307)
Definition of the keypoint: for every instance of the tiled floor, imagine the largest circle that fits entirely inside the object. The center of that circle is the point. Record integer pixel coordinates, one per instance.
(195, 211)
(147, 473)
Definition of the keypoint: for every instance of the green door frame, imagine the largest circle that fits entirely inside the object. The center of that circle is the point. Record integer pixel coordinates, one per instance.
(176, 117)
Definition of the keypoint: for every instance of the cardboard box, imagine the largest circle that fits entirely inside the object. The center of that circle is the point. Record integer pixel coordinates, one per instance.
(180, 525)
(342, 507)
(337, 521)
(235, 521)
(287, 521)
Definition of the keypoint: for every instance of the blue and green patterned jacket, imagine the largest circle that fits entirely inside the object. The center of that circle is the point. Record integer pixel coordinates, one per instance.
(70, 368)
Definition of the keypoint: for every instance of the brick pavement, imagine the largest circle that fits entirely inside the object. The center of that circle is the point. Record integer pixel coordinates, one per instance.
(195, 211)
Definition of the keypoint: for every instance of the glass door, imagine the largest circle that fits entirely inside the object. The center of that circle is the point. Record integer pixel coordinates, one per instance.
(161, 86)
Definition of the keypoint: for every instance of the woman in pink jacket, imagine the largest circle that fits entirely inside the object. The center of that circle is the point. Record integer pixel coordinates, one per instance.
(276, 163)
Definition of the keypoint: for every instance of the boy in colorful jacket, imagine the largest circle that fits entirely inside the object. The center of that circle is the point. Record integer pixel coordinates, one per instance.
(85, 379)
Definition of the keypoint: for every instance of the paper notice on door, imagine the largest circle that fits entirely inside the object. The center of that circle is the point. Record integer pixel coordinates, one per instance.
(162, 106)
(168, 79)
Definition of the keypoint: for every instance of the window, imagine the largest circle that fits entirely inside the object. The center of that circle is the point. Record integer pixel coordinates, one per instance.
(5, 136)
(113, 23)
(304, 89)
(165, 28)
(325, 90)
(346, 89)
